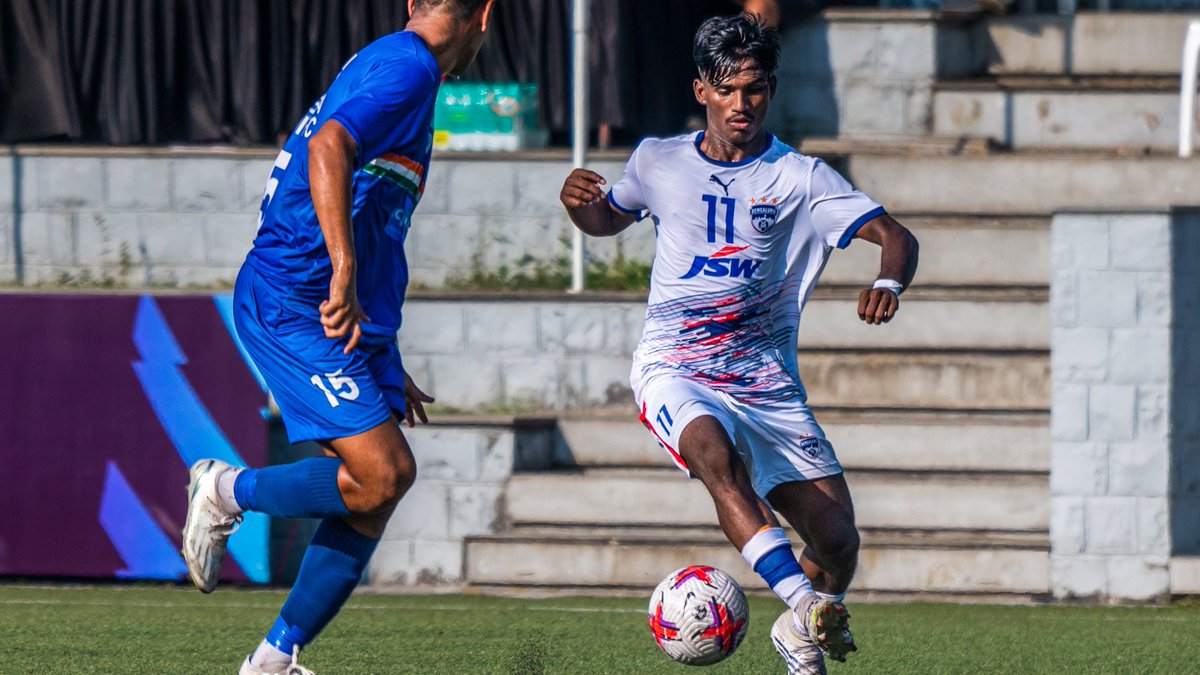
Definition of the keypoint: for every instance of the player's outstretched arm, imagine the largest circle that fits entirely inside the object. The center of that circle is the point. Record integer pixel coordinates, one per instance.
(897, 267)
(588, 206)
(331, 153)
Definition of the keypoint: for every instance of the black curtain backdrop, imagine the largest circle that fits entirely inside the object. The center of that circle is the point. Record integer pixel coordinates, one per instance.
(132, 72)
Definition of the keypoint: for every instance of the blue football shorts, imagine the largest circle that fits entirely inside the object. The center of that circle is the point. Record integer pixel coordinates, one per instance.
(322, 393)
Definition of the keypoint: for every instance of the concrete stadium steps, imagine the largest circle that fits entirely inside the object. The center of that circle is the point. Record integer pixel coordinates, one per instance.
(1087, 43)
(914, 380)
(1024, 183)
(911, 441)
(980, 319)
(883, 499)
(990, 251)
(1096, 113)
(965, 563)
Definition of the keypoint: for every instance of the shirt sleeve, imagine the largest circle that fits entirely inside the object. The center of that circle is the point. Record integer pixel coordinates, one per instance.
(627, 194)
(387, 109)
(836, 208)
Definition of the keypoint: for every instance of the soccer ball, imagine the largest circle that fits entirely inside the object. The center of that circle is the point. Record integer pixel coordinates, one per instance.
(698, 615)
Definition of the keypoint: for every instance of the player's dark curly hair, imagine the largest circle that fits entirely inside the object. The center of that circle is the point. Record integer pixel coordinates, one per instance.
(723, 42)
(462, 9)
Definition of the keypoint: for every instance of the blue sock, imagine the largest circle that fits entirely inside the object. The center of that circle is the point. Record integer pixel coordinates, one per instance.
(769, 553)
(332, 566)
(304, 489)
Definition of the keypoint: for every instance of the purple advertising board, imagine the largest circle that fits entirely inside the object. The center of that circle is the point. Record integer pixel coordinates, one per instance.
(107, 399)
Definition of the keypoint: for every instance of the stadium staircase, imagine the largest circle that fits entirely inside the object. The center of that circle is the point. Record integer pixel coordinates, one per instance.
(942, 418)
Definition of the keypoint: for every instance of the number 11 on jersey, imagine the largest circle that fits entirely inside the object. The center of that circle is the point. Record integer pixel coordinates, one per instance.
(730, 204)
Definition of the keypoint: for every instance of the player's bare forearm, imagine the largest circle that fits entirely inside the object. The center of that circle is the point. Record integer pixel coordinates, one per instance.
(899, 252)
(331, 153)
(588, 207)
(331, 167)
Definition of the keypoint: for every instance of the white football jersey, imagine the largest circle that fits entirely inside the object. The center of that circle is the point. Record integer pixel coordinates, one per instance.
(740, 246)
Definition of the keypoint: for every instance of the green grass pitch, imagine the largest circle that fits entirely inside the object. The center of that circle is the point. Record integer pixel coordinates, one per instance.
(159, 629)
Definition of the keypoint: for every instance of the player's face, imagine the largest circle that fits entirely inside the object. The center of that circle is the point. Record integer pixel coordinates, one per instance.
(473, 40)
(737, 107)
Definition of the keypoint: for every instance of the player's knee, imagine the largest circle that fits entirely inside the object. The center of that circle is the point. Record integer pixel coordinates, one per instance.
(841, 548)
(386, 486)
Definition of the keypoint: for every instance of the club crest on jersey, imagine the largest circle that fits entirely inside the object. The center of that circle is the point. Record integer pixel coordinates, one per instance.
(763, 213)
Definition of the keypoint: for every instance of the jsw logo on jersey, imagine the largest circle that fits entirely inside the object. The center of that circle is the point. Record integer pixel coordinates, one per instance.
(723, 264)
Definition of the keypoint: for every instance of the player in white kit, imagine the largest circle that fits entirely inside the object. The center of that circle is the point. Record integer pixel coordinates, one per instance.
(744, 227)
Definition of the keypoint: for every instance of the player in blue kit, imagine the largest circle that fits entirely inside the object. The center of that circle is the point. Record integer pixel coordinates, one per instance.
(317, 305)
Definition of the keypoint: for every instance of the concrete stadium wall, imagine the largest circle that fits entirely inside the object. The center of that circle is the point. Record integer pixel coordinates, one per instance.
(1125, 431)
(152, 218)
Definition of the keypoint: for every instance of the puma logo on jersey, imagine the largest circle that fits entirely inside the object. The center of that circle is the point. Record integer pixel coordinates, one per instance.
(724, 186)
(723, 264)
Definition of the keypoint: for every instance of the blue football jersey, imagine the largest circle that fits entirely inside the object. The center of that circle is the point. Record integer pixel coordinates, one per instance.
(384, 97)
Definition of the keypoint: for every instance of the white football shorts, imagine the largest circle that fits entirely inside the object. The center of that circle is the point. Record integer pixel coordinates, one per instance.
(780, 442)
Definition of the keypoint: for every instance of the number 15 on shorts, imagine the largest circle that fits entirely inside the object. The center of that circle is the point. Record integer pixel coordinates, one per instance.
(339, 384)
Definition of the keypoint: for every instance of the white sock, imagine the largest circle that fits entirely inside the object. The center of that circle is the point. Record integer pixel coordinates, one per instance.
(225, 491)
(825, 596)
(779, 567)
(269, 659)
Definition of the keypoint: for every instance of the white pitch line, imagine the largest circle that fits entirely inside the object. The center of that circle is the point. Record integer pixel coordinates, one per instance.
(208, 606)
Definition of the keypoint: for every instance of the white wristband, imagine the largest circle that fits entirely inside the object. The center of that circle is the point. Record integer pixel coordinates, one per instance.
(890, 284)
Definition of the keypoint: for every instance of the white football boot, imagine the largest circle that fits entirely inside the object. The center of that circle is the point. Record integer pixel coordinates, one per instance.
(292, 668)
(801, 655)
(208, 524)
(826, 631)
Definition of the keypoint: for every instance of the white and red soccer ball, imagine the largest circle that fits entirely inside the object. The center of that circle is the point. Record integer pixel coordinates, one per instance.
(698, 615)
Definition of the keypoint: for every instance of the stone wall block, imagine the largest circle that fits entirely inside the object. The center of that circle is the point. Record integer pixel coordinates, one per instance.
(1081, 355)
(1138, 469)
(871, 109)
(1110, 525)
(854, 49)
(436, 562)
(254, 175)
(6, 247)
(510, 328)
(1153, 299)
(432, 327)
(1079, 469)
(1064, 299)
(424, 513)
(474, 509)
(229, 237)
(907, 52)
(1136, 578)
(391, 564)
(497, 455)
(6, 183)
(179, 240)
(1083, 576)
(138, 183)
(105, 239)
(207, 185)
(1079, 242)
(446, 454)
(1066, 525)
(477, 188)
(48, 238)
(463, 381)
(1140, 243)
(1140, 355)
(1069, 412)
(1154, 526)
(535, 382)
(570, 328)
(1152, 413)
(1112, 412)
(607, 381)
(63, 183)
(1108, 299)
